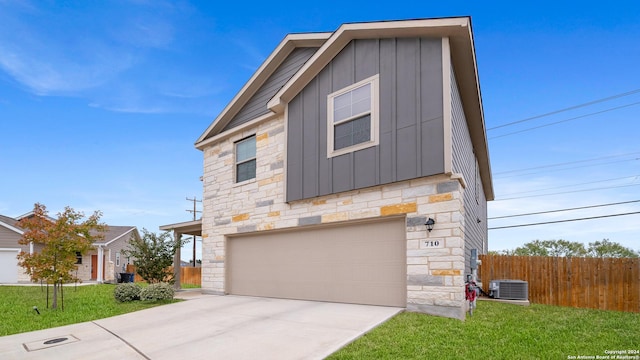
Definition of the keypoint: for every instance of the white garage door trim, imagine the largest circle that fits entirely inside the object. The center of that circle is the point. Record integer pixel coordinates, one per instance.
(8, 265)
(351, 262)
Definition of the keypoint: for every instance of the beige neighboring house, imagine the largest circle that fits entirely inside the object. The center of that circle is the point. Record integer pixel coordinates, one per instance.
(103, 264)
(352, 167)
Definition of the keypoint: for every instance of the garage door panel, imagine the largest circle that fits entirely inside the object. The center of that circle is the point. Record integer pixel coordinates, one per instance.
(361, 263)
(9, 266)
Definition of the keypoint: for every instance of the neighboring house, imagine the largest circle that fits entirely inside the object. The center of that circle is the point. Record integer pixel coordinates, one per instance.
(104, 263)
(10, 233)
(321, 173)
(107, 261)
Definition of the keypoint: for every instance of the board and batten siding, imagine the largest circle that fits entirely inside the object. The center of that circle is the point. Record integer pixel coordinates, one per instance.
(465, 163)
(257, 105)
(411, 119)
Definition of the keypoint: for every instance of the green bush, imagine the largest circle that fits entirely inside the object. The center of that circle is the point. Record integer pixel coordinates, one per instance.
(127, 292)
(159, 291)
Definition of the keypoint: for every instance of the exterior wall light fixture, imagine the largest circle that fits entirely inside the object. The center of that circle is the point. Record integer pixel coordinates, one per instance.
(430, 222)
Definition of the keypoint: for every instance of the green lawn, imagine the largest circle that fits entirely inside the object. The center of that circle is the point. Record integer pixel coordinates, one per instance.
(500, 331)
(82, 303)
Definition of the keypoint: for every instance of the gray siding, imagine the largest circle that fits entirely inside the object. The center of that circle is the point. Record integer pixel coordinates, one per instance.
(118, 246)
(257, 105)
(465, 162)
(8, 238)
(411, 129)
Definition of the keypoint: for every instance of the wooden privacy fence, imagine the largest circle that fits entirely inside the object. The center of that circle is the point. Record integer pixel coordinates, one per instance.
(188, 275)
(596, 283)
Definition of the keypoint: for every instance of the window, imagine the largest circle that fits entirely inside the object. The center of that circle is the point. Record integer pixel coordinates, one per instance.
(246, 159)
(353, 117)
(117, 259)
(78, 258)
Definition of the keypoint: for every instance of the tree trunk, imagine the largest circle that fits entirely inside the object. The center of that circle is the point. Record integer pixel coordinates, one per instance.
(54, 303)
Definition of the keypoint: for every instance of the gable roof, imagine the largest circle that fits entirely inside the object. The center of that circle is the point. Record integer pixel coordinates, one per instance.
(457, 29)
(112, 234)
(261, 75)
(115, 233)
(11, 224)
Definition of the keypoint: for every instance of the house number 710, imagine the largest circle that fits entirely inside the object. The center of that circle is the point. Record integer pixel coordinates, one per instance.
(434, 243)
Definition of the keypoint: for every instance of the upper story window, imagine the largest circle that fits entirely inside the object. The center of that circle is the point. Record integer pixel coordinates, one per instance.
(246, 159)
(353, 117)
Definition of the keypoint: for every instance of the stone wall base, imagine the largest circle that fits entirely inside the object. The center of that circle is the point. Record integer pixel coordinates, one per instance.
(445, 311)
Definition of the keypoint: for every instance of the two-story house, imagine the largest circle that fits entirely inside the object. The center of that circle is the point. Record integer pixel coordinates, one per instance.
(352, 167)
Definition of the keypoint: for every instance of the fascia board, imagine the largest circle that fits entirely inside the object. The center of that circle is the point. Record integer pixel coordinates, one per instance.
(457, 29)
(348, 32)
(12, 228)
(118, 237)
(261, 75)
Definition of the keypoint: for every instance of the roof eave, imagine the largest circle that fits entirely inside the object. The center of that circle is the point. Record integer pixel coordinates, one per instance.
(286, 46)
(457, 29)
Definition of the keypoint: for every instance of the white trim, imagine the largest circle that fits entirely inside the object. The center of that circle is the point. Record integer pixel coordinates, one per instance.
(260, 76)
(12, 228)
(236, 163)
(10, 249)
(374, 112)
(99, 274)
(446, 106)
(284, 156)
(119, 236)
(240, 128)
(403, 28)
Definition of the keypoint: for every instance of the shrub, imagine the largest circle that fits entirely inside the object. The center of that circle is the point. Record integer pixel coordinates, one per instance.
(159, 291)
(127, 292)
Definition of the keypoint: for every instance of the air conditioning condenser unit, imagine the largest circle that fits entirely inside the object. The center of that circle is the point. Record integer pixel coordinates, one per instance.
(509, 289)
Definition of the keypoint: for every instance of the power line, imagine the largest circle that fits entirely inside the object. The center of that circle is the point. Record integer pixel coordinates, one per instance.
(562, 221)
(566, 163)
(572, 185)
(567, 192)
(569, 168)
(562, 210)
(567, 109)
(565, 120)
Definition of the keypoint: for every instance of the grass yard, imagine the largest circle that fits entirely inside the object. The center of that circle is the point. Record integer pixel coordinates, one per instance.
(84, 303)
(500, 331)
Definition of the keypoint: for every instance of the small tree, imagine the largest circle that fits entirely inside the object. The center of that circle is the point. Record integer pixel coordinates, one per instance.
(550, 248)
(62, 239)
(606, 248)
(153, 255)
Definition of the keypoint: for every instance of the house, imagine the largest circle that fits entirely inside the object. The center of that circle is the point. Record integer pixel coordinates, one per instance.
(321, 174)
(104, 263)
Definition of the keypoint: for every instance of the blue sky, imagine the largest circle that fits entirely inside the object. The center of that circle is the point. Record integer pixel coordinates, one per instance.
(101, 102)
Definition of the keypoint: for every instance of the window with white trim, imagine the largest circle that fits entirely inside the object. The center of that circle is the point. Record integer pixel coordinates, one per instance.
(352, 117)
(245, 159)
(117, 259)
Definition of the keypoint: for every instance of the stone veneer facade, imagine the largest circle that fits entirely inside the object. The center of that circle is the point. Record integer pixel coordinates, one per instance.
(435, 273)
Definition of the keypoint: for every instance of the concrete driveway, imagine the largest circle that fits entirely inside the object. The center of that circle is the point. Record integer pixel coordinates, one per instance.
(207, 327)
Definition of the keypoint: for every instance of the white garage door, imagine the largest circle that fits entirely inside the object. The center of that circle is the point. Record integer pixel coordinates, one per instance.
(8, 266)
(362, 263)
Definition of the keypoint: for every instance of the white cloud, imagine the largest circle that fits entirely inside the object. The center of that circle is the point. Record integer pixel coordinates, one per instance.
(122, 57)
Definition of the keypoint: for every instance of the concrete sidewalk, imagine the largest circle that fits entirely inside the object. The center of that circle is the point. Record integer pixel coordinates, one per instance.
(206, 327)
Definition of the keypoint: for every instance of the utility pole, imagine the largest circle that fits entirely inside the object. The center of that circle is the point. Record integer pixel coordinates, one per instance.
(194, 212)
